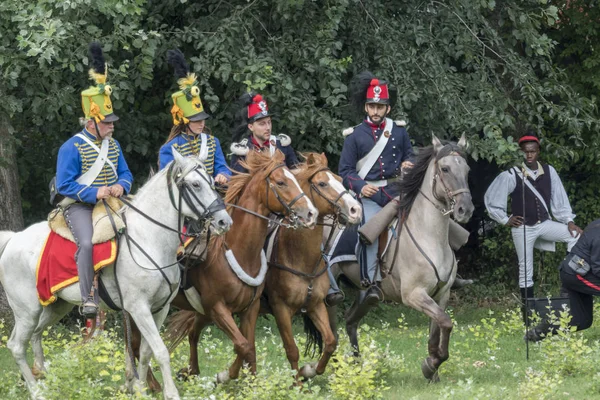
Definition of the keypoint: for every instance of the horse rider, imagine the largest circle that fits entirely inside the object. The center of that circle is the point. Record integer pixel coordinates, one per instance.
(188, 134)
(373, 155)
(91, 167)
(580, 277)
(254, 120)
(532, 201)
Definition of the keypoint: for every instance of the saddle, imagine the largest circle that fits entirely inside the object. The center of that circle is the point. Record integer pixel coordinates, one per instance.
(103, 229)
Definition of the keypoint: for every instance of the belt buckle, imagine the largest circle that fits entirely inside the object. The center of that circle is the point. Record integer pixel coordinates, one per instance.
(581, 262)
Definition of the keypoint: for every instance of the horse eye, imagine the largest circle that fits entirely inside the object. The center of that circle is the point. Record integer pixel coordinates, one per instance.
(322, 184)
(445, 169)
(280, 183)
(196, 184)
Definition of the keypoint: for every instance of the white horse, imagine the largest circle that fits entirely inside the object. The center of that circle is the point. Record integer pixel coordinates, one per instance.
(182, 190)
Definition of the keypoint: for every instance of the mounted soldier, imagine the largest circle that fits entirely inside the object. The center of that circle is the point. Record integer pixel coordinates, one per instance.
(188, 134)
(374, 153)
(254, 120)
(91, 167)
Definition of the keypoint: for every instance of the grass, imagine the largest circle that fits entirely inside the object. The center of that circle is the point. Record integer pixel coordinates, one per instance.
(487, 360)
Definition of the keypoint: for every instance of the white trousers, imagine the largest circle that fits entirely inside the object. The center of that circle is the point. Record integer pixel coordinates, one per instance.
(548, 230)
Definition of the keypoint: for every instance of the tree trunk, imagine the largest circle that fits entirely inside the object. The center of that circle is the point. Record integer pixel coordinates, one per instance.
(11, 215)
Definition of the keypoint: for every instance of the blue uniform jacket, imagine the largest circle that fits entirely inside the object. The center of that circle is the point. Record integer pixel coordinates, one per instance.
(290, 156)
(75, 157)
(188, 145)
(359, 143)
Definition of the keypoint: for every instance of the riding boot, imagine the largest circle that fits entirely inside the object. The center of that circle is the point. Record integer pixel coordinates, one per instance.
(374, 294)
(526, 293)
(334, 298)
(540, 331)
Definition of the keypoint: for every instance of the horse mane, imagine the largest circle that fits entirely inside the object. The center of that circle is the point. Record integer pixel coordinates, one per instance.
(306, 171)
(259, 164)
(413, 179)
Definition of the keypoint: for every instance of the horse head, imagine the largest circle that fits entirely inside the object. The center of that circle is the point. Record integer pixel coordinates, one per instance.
(450, 179)
(197, 196)
(276, 188)
(326, 190)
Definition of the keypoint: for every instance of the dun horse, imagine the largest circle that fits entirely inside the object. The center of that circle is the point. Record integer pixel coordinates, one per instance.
(231, 279)
(145, 290)
(424, 268)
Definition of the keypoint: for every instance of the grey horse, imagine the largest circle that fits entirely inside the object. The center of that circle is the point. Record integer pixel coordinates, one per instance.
(423, 271)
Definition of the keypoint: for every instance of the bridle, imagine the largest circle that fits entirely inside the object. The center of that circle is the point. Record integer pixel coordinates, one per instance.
(291, 216)
(450, 195)
(339, 214)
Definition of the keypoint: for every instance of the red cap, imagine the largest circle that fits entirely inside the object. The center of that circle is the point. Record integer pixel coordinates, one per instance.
(257, 109)
(529, 138)
(377, 92)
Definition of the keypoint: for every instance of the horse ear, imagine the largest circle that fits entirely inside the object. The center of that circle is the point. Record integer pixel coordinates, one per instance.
(324, 160)
(462, 143)
(179, 159)
(437, 145)
(310, 159)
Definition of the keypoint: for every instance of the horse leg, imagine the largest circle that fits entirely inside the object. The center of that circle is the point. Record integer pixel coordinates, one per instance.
(283, 318)
(132, 383)
(25, 323)
(50, 315)
(248, 327)
(200, 321)
(332, 314)
(148, 326)
(441, 326)
(353, 317)
(321, 320)
(221, 315)
(444, 333)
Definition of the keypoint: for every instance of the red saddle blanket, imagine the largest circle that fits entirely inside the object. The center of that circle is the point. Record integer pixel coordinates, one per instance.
(56, 268)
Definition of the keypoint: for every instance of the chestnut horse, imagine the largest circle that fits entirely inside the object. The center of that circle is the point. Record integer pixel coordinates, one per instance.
(231, 279)
(296, 280)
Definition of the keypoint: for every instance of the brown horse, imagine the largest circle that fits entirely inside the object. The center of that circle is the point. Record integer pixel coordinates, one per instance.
(226, 286)
(297, 279)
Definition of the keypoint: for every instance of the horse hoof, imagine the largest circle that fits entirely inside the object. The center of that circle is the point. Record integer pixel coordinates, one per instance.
(429, 371)
(223, 377)
(308, 371)
(183, 374)
(38, 373)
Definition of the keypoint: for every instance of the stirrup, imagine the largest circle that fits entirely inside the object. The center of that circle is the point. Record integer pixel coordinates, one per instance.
(335, 300)
(88, 309)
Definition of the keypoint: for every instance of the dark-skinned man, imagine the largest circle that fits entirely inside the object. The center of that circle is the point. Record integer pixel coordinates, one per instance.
(545, 197)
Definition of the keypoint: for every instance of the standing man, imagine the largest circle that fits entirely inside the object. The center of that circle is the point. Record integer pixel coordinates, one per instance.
(254, 120)
(91, 167)
(373, 155)
(188, 135)
(544, 198)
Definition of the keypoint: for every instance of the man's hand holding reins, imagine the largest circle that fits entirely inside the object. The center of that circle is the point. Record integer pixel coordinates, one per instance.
(221, 179)
(368, 190)
(103, 192)
(116, 190)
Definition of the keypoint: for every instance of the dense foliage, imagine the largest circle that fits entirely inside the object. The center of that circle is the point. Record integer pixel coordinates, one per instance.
(490, 69)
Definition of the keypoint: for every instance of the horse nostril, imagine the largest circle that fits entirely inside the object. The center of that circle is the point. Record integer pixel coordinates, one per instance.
(221, 223)
(353, 211)
(310, 215)
(461, 210)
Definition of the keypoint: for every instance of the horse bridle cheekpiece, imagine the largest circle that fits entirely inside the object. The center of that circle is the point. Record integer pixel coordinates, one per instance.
(187, 195)
(291, 214)
(334, 203)
(447, 150)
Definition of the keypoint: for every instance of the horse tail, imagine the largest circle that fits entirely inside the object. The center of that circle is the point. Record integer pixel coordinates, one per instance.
(314, 340)
(5, 237)
(180, 325)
